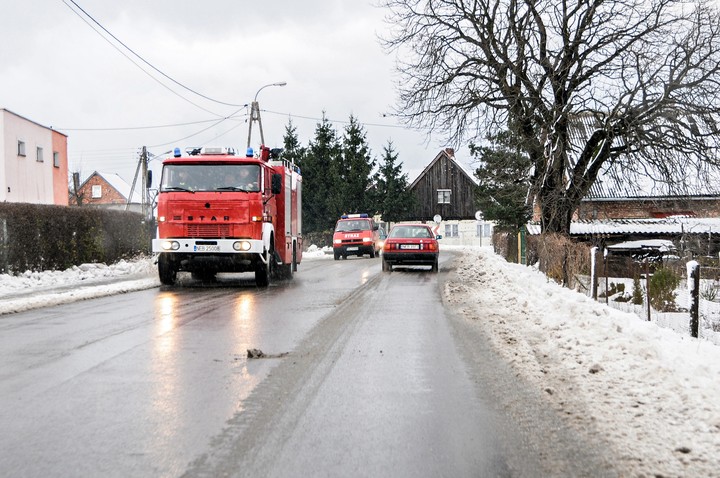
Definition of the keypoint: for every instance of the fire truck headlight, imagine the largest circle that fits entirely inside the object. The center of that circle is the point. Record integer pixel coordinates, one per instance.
(337, 241)
(367, 239)
(161, 219)
(171, 245)
(242, 246)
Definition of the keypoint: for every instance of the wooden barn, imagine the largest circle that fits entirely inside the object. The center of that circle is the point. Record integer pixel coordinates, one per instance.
(444, 188)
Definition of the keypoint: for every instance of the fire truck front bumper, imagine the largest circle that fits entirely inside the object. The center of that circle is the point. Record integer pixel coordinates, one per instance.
(208, 246)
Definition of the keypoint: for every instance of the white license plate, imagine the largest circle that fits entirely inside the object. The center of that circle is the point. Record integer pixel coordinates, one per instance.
(409, 246)
(207, 248)
(351, 249)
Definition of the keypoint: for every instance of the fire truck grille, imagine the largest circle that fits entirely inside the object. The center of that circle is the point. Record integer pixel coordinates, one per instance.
(208, 230)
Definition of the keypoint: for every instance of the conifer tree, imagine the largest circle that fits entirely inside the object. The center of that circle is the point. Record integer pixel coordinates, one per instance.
(319, 167)
(355, 171)
(392, 196)
(292, 150)
(504, 179)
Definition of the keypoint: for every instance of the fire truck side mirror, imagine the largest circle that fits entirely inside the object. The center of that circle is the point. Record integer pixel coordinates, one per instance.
(276, 183)
(149, 179)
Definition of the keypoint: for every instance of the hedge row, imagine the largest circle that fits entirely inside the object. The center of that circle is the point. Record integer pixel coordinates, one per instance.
(43, 237)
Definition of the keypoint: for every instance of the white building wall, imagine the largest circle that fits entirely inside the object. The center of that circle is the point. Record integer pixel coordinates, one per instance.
(3, 154)
(25, 179)
(465, 233)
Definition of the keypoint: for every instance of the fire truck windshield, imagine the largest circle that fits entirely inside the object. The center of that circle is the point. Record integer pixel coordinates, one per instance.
(210, 177)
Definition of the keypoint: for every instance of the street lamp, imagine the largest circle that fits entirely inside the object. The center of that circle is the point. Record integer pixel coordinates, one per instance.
(255, 113)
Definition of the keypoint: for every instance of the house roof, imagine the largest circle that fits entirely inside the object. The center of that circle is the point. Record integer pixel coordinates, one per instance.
(31, 121)
(668, 225)
(616, 182)
(448, 153)
(119, 184)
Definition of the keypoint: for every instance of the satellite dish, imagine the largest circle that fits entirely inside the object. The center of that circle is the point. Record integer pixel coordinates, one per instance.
(437, 218)
(479, 215)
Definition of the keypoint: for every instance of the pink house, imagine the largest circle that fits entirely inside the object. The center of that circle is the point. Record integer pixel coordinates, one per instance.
(34, 162)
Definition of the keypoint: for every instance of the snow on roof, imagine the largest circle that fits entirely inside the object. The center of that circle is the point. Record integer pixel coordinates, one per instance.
(121, 186)
(668, 225)
(661, 245)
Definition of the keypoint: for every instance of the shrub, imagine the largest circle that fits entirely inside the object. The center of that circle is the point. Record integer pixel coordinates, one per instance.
(637, 293)
(662, 290)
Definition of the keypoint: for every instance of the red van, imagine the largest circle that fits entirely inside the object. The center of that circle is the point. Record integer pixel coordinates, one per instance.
(356, 235)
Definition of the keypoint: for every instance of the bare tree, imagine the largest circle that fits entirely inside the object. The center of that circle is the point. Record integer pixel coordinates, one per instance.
(628, 87)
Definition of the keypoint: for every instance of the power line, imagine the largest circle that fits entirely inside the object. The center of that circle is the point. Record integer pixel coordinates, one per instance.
(131, 128)
(138, 56)
(290, 115)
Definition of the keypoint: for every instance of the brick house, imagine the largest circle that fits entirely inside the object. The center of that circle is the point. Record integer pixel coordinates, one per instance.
(108, 190)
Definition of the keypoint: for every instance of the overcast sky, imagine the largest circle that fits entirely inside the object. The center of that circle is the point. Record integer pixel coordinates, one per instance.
(55, 69)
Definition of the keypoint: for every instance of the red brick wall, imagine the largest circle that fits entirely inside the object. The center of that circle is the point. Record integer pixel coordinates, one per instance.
(642, 209)
(108, 194)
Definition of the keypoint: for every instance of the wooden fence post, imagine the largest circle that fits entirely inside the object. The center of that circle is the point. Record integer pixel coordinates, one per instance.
(693, 269)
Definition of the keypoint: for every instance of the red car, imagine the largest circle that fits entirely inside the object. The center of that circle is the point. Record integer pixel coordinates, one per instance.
(410, 245)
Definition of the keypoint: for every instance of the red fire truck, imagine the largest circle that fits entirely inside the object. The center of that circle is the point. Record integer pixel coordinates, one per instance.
(220, 212)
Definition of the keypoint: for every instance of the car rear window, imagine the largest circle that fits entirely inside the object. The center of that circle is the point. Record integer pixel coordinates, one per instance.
(410, 232)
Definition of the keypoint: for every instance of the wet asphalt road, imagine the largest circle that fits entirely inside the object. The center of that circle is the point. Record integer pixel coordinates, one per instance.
(365, 374)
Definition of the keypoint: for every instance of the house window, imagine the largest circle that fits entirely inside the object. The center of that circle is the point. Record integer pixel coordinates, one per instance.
(56, 159)
(39, 154)
(443, 196)
(96, 191)
(451, 230)
(484, 230)
(21, 148)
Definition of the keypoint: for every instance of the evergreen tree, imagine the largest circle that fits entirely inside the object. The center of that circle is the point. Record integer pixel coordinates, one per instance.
(504, 182)
(355, 170)
(292, 150)
(392, 197)
(319, 167)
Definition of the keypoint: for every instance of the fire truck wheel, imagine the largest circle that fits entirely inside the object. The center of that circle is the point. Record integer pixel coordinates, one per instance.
(166, 270)
(262, 271)
(337, 255)
(372, 253)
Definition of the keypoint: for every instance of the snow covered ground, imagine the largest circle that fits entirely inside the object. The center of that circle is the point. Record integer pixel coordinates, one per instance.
(651, 392)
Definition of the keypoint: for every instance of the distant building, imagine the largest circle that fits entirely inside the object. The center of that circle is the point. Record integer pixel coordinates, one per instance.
(108, 190)
(446, 190)
(34, 162)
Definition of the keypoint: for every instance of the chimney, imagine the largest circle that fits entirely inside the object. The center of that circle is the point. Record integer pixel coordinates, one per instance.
(450, 152)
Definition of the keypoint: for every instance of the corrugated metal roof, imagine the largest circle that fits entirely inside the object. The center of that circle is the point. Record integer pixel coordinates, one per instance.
(615, 181)
(670, 225)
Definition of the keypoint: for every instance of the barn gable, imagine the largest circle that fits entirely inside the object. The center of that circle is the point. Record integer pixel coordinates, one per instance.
(444, 188)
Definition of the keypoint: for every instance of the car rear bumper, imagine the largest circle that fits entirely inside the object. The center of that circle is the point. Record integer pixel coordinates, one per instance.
(410, 258)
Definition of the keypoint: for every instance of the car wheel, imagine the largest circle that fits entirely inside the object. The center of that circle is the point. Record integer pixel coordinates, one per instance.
(386, 267)
(435, 265)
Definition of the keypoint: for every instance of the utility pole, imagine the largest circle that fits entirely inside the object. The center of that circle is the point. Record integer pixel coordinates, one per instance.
(255, 114)
(141, 169)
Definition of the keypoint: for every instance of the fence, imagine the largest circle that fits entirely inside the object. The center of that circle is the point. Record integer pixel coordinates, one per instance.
(658, 291)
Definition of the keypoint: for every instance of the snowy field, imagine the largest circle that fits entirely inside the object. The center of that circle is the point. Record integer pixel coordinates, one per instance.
(651, 392)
